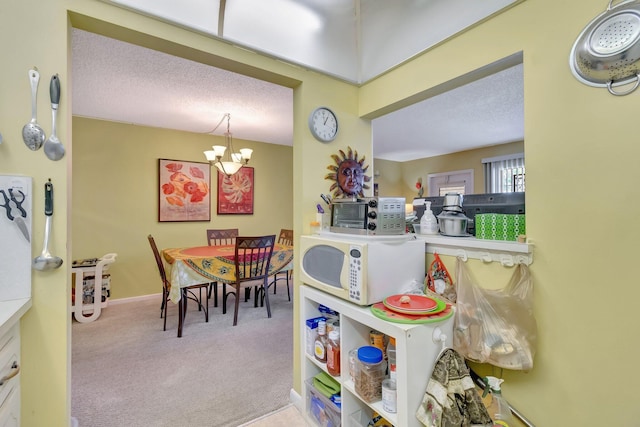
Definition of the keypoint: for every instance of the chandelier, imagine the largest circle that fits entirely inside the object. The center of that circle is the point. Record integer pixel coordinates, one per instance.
(224, 157)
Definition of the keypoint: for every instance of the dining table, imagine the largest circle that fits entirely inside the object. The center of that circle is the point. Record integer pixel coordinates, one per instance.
(203, 264)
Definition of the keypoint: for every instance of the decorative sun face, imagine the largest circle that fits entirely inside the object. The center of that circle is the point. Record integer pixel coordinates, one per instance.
(348, 174)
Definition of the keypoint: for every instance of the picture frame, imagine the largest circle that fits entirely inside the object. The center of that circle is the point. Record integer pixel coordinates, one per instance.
(236, 192)
(184, 191)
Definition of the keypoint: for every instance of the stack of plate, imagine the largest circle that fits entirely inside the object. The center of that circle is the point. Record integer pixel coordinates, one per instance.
(412, 309)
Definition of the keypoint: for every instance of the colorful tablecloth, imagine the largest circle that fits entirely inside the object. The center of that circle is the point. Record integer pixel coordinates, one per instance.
(204, 264)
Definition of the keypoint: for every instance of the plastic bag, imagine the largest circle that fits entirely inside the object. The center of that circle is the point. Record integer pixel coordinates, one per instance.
(496, 326)
(438, 282)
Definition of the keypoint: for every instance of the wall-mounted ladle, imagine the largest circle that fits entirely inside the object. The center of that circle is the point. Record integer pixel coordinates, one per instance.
(32, 134)
(46, 261)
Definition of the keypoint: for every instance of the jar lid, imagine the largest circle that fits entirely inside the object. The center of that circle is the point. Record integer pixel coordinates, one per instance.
(370, 354)
(334, 335)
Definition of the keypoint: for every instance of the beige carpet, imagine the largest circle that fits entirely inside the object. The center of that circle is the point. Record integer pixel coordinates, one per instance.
(126, 371)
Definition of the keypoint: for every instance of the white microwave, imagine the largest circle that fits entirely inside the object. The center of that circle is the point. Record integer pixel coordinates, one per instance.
(362, 269)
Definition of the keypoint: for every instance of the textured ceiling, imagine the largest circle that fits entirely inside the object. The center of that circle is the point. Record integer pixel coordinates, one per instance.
(121, 82)
(118, 81)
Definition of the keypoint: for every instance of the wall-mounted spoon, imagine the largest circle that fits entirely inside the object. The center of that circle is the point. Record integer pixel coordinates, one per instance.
(32, 134)
(53, 148)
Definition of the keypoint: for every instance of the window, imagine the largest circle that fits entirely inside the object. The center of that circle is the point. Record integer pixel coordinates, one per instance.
(504, 174)
(451, 182)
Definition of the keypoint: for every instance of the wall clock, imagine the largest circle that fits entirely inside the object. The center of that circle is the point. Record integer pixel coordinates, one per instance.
(323, 124)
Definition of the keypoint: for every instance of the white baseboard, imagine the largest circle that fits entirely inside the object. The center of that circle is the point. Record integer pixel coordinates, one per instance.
(134, 299)
(295, 399)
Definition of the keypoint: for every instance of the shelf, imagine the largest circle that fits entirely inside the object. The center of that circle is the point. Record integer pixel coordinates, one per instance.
(505, 252)
(417, 349)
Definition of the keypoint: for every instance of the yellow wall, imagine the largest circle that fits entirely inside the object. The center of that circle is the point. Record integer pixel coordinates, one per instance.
(399, 178)
(579, 148)
(43, 33)
(115, 202)
(578, 140)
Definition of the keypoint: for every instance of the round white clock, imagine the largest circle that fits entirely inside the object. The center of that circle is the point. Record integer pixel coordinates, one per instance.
(323, 124)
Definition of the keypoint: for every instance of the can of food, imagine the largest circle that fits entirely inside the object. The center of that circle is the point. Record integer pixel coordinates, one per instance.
(376, 339)
(389, 395)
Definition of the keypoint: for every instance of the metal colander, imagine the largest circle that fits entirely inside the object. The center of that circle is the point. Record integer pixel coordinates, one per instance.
(607, 51)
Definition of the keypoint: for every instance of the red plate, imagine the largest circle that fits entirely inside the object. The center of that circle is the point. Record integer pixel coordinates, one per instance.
(417, 304)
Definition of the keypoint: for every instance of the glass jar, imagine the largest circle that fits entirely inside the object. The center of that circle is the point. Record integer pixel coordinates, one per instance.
(370, 372)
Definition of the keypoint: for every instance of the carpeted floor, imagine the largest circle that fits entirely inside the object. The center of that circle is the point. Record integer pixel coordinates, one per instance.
(127, 371)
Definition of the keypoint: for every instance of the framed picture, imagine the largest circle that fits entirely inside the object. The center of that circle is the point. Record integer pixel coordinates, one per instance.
(235, 192)
(184, 191)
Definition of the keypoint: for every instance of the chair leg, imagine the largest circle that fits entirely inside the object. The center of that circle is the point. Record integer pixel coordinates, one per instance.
(247, 294)
(235, 313)
(213, 289)
(288, 294)
(266, 296)
(224, 298)
(164, 308)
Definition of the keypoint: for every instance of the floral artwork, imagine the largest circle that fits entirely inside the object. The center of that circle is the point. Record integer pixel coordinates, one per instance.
(235, 192)
(184, 191)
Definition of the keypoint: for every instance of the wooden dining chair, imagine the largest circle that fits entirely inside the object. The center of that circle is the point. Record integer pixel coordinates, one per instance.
(187, 293)
(252, 260)
(286, 273)
(220, 237)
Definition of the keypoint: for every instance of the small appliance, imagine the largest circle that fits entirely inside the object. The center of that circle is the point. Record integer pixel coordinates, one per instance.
(362, 269)
(368, 216)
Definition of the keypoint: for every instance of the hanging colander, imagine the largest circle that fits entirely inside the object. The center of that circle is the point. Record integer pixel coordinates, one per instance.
(607, 51)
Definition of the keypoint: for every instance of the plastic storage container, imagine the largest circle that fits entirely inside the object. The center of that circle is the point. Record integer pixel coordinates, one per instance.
(321, 409)
(370, 372)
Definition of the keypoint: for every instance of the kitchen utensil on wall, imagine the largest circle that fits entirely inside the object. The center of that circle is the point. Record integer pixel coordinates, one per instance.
(32, 134)
(607, 51)
(53, 148)
(15, 262)
(22, 213)
(46, 261)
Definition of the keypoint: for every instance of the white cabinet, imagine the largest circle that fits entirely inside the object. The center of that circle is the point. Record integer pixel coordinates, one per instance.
(10, 377)
(417, 348)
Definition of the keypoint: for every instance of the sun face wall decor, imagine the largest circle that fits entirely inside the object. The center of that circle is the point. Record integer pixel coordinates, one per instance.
(348, 174)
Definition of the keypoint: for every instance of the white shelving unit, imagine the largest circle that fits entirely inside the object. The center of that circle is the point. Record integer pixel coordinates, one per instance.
(417, 349)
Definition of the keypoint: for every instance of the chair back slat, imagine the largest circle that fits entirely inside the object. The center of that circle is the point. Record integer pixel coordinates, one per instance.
(286, 237)
(253, 257)
(156, 254)
(219, 237)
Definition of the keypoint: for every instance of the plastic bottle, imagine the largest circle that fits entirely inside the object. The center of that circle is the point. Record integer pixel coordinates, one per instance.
(391, 357)
(498, 407)
(428, 222)
(320, 345)
(333, 353)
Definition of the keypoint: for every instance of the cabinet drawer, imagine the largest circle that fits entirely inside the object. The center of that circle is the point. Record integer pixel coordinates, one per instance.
(10, 409)
(9, 364)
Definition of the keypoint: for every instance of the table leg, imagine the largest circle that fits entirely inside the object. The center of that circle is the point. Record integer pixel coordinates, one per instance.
(181, 311)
